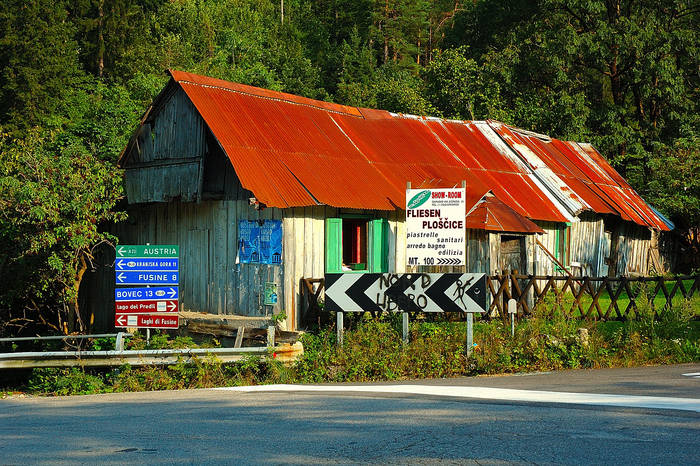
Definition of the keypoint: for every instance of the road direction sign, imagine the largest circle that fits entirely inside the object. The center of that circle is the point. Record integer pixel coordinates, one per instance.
(146, 320)
(147, 278)
(141, 251)
(145, 307)
(414, 292)
(157, 293)
(147, 264)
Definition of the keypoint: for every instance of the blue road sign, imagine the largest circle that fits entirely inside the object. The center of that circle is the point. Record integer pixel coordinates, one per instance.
(147, 278)
(151, 264)
(156, 293)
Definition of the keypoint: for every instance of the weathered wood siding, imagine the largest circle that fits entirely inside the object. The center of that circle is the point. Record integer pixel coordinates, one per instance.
(633, 250)
(166, 162)
(589, 246)
(174, 130)
(478, 259)
(211, 279)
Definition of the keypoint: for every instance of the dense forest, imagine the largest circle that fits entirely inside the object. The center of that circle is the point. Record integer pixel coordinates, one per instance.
(76, 76)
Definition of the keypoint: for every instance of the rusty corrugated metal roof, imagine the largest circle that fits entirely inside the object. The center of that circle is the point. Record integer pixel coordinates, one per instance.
(293, 151)
(578, 170)
(489, 213)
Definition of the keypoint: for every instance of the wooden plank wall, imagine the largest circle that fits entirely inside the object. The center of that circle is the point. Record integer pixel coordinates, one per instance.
(163, 182)
(589, 246)
(174, 130)
(211, 279)
(633, 252)
(167, 161)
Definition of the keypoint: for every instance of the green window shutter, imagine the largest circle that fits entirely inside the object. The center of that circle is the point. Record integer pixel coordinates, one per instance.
(377, 232)
(334, 245)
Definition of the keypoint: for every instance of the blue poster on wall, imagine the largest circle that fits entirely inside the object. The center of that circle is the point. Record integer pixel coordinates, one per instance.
(248, 237)
(271, 242)
(260, 243)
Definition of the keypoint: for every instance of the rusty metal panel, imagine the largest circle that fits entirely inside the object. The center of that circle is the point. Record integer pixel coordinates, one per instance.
(292, 151)
(622, 192)
(489, 213)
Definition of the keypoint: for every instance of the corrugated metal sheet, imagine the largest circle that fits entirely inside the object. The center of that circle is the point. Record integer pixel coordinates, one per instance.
(293, 151)
(579, 176)
(616, 187)
(489, 213)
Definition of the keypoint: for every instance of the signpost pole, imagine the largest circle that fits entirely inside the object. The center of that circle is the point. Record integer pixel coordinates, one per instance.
(404, 327)
(470, 316)
(404, 315)
(148, 330)
(339, 324)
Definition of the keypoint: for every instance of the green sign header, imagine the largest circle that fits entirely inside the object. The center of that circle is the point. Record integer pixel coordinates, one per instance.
(156, 250)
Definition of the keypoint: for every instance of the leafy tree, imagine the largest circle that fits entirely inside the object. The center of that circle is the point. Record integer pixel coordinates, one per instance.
(54, 194)
(113, 35)
(38, 62)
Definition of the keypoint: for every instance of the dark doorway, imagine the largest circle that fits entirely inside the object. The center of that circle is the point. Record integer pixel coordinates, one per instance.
(513, 253)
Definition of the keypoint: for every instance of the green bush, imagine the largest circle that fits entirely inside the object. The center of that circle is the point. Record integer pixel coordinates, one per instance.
(72, 381)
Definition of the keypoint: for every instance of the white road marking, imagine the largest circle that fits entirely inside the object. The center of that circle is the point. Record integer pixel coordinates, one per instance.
(695, 375)
(506, 394)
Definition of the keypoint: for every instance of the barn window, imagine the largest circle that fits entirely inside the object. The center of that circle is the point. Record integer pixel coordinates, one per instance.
(563, 245)
(356, 245)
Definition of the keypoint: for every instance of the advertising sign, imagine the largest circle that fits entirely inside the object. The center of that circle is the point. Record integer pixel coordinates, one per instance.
(435, 226)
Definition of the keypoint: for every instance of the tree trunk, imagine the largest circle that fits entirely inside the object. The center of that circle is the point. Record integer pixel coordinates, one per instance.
(100, 39)
(75, 320)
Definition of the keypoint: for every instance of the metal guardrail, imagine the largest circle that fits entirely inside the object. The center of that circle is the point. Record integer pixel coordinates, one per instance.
(118, 358)
(118, 343)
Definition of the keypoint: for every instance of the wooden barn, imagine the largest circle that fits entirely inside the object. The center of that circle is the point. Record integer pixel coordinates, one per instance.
(261, 188)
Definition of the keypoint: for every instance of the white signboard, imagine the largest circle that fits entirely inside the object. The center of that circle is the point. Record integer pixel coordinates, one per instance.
(435, 226)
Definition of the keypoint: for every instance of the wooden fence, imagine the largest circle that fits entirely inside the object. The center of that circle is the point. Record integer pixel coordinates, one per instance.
(598, 298)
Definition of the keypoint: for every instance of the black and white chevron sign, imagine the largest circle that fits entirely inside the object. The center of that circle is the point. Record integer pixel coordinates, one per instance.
(409, 292)
(448, 261)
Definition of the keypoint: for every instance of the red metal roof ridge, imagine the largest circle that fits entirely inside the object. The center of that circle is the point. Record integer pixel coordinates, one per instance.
(268, 94)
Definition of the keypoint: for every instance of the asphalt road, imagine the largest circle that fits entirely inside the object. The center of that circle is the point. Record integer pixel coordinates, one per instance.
(347, 427)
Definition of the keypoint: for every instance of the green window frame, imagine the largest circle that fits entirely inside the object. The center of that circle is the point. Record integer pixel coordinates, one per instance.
(377, 246)
(563, 245)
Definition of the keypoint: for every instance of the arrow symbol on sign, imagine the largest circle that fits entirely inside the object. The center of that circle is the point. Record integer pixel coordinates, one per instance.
(120, 320)
(171, 306)
(121, 277)
(397, 292)
(120, 264)
(121, 250)
(172, 292)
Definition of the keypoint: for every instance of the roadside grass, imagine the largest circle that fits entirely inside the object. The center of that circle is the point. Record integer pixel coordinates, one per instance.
(373, 351)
